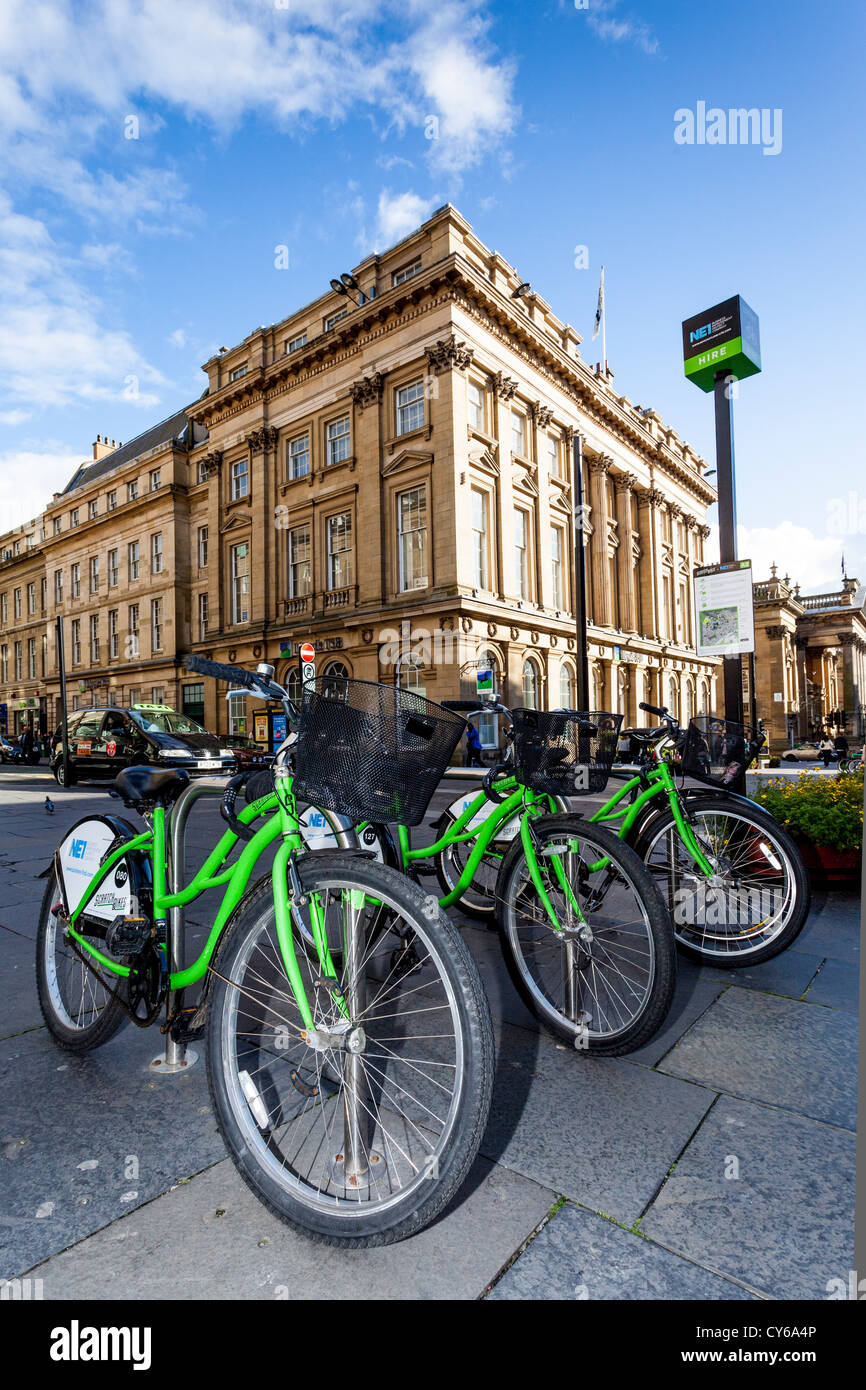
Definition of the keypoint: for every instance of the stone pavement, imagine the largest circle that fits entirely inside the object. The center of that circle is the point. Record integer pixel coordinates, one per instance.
(716, 1163)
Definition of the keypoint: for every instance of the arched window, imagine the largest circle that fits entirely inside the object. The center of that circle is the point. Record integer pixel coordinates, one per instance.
(690, 702)
(410, 676)
(567, 686)
(336, 668)
(673, 698)
(530, 685)
(293, 683)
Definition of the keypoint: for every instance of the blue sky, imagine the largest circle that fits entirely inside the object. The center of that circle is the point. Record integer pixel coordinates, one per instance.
(124, 262)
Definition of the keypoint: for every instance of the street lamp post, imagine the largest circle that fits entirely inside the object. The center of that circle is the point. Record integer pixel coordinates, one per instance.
(582, 659)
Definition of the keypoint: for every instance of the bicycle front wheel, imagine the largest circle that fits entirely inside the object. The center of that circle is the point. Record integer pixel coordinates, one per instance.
(603, 976)
(360, 1130)
(758, 897)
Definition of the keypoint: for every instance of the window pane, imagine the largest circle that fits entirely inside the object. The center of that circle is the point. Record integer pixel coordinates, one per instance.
(410, 407)
(338, 440)
(299, 457)
(412, 538)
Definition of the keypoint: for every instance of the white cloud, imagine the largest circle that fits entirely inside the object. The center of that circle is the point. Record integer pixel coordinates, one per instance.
(813, 562)
(400, 213)
(177, 339)
(601, 18)
(14, 417)
(54, 348)
(28, 479)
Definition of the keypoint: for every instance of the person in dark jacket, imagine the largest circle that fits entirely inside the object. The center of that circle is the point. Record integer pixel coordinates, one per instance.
(473, 747)
(840, 743)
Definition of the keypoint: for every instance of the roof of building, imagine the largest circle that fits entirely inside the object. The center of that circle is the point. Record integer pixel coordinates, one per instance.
(174, 427)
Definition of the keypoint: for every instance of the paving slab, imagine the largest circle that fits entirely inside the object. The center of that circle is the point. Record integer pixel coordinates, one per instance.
(837, 986)
(84, 1139)
(785, 1224)
(579, 1254)
(599, 1130)
(233, 1248)
(694, 993)
(19, 1004)
(832, 927)
(789, 973)
(775, 1050)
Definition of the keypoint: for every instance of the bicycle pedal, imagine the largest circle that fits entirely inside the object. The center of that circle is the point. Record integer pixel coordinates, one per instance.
(424, 870)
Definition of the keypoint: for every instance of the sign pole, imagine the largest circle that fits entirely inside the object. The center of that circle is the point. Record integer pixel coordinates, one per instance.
(732, 666)
(582, 660)
(61, 662)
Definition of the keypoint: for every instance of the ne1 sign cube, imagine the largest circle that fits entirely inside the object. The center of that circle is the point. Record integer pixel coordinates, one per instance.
(724, 338)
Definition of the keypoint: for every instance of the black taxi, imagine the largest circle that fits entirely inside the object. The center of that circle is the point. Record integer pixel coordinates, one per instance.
(105, 740)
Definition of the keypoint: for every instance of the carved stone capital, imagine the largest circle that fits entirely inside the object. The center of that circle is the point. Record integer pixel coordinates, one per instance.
(624, 482)
(447, 353)
(541, 414)
(599, 464)
(261, 439)
(776, 633)
(504, 386)
(704, 531)
(367, 391)
(691, 521)
(212, 463)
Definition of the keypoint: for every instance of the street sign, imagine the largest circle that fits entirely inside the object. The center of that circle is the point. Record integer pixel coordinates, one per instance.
(724, 338)
(724, 609)
(307, 657)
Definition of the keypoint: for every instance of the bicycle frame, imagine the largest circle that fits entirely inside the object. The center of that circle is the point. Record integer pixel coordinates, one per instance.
(234, 878)
(521, 801)
(659, 781)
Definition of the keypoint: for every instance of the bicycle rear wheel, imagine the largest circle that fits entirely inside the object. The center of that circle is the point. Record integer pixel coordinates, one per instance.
(606, 981)
(79, 1010)
(360, 1132)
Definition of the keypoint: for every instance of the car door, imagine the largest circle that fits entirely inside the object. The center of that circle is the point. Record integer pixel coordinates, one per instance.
(84, 744)
(115, 742)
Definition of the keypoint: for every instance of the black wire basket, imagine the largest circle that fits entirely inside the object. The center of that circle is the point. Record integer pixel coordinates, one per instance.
(718, 750)
(372, 752)
(565, 752)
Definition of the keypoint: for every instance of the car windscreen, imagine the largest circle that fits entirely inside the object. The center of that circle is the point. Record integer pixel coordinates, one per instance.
(165, 722)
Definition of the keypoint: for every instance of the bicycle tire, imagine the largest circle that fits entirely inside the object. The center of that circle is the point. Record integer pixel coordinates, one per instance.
(312, 1202)
(723, 943)
(110, 1015)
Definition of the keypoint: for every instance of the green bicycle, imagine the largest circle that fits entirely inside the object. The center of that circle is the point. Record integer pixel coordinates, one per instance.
(351, 1091)
(732, 879)
(583, 928)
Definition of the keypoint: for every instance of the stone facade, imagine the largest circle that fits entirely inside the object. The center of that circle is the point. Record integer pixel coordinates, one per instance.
(810, 661)
(393, 480)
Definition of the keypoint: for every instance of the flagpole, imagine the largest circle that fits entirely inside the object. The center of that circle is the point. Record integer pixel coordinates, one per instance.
(603, 326)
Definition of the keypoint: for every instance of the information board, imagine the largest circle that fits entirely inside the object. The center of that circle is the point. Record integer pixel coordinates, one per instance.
(724, 609)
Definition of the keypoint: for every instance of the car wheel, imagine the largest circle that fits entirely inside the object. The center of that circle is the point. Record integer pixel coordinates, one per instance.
(59, 777)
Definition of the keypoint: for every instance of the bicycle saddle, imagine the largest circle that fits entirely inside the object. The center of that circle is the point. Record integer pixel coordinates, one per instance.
(159, 786)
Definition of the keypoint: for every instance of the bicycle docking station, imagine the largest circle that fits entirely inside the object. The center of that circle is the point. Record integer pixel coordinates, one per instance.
(178, 1057)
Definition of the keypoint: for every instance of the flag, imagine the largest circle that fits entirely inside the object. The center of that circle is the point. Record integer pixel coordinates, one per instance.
(599, 312)
(843, 566)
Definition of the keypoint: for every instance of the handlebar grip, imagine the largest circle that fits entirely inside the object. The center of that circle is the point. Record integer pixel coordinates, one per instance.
(227, 810)
(653, 709)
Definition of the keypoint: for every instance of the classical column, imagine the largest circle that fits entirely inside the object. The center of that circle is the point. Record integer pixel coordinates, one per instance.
(848, 695)
(602, 604)
(624, 483)
(649, 525)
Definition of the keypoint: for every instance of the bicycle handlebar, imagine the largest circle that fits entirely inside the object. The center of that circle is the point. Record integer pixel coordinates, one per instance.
(247, 680)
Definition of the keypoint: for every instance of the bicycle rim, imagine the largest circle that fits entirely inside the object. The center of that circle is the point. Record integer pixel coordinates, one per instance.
(749, 900)
(289, 1098)
(596, 979)
(78, 998)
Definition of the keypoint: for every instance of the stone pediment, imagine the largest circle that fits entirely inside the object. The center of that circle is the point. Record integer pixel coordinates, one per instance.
(238, 521)
(404, 459)
(483, 457)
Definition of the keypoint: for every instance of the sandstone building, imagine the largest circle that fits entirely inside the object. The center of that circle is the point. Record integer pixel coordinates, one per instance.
(387, 473)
